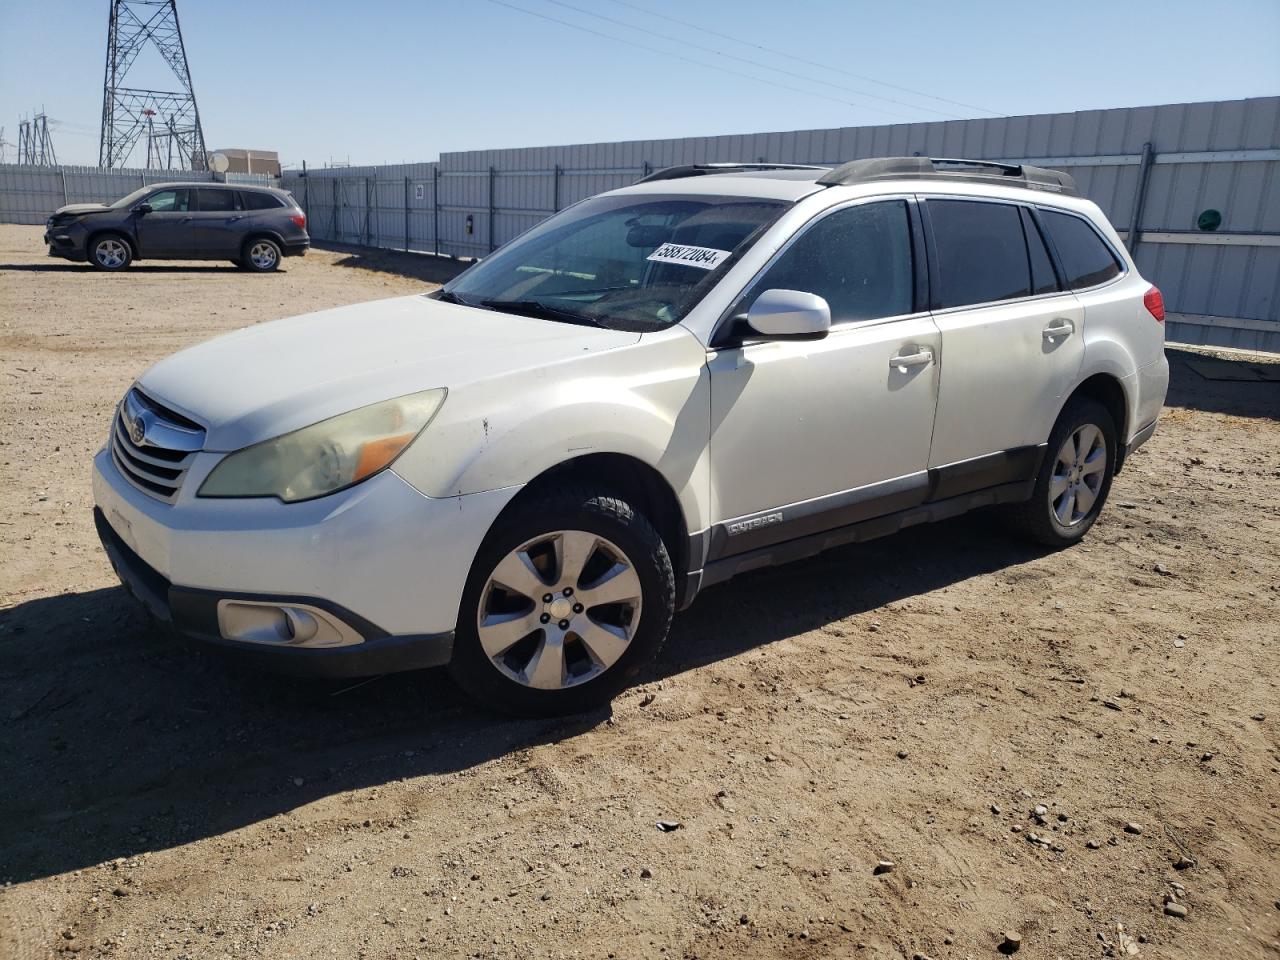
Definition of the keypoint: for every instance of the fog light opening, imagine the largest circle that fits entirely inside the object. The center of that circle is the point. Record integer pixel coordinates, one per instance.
(283, 624)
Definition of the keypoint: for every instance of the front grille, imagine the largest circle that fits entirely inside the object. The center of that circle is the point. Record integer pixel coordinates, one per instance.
(152, 446)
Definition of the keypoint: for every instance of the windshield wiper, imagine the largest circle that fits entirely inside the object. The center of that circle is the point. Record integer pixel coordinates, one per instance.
(536, 308)
(447, 296)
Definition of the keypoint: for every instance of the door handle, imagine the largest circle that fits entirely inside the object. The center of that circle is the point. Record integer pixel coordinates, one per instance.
(186, 219)
(1059, 328)
(234, 219)
(904, 361)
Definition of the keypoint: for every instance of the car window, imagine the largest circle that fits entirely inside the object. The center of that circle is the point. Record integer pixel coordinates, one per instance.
(1086, 259)
(1043, 279)
(170, 201)
(625, 262)
(981, 251)
(857, 259)
(260, 201)
(213, 200)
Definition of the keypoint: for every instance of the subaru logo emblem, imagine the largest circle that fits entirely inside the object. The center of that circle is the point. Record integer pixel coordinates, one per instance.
(137, 431)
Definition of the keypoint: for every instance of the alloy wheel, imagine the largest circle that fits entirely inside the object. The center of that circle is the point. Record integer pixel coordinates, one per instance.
(263, 255)
(110, 253)
(1078, 473)
(559, 610)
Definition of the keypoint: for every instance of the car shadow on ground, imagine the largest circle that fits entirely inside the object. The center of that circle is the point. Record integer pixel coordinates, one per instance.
(1233, 386)
(414, 266)
(66, 267)
(119, 740)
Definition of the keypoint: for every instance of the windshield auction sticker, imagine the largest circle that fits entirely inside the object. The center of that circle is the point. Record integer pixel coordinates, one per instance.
(703, 257)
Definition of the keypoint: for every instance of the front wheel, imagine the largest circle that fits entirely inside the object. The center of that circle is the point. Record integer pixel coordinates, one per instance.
(110, 252)
(1074, 479)
(569, 597)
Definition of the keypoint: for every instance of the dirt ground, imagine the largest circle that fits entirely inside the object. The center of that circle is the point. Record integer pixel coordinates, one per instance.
(910, 700)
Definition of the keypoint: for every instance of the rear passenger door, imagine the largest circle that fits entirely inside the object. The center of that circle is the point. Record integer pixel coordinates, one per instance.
(219, 223)
(1012, 341)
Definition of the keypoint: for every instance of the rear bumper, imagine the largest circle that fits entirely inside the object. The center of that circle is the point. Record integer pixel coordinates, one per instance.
(194, 614)
(297, 248)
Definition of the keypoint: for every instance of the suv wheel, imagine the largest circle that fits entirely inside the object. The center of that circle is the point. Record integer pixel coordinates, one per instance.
(569, 597)
(1074, 479)
(261, 255)
(110, 252)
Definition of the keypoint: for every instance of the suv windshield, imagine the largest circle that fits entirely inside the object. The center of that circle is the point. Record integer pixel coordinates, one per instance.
(131, 199)
(622, 262)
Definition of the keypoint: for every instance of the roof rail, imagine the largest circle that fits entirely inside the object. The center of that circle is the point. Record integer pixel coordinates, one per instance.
(945, 168)
(700, 169)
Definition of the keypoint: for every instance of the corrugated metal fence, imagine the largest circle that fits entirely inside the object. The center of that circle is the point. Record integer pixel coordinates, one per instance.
(1223, 283)
(1194, 189)
(30, 194)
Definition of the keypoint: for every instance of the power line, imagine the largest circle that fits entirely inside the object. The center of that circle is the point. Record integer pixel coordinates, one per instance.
(754, 63)
(700, 63)
(811, 63)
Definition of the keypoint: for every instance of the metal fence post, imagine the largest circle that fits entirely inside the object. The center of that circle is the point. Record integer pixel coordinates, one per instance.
(368, 213)
(646, 169)
(555, 189)
(435, 204)
(63, 171)
(406, 214)
(1140, 197)
(492, 174)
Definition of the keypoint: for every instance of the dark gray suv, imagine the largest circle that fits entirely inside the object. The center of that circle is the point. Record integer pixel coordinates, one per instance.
(253, 227)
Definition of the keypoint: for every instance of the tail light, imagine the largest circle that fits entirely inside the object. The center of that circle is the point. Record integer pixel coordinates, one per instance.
(1154, 302)
(301, 221)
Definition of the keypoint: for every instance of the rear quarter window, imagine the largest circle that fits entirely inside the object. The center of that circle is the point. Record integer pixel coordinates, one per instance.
(1086, 259)
(261, 201)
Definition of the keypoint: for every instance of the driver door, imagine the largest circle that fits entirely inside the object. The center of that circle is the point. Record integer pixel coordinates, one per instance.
(811, 435)
(167, 232)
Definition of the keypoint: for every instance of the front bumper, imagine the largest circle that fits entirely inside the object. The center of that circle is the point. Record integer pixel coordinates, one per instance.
(382, 558)
(66, 241)
(194, 614)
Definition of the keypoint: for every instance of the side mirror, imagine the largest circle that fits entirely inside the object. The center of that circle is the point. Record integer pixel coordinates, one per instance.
(142, 208)
(789, 315)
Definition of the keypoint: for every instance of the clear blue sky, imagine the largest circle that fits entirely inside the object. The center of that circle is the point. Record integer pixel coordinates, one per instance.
(397, 80)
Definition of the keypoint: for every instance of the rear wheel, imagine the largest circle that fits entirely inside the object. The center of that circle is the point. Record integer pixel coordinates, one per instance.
(110, 252)
(1074, 479)
(569, 597)
(261, 255)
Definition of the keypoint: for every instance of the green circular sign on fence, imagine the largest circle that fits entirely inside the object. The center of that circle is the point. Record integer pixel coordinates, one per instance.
(1209, 220)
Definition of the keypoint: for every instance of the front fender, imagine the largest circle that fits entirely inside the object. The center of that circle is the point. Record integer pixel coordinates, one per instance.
(650, 401)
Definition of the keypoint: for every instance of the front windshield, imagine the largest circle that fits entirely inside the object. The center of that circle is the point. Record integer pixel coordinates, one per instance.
(624, 262)
(130, 199)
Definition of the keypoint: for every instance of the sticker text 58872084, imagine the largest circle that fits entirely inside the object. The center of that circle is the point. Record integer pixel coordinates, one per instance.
(703, 257)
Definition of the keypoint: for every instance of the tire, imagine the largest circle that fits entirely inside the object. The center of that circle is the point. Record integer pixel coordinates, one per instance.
(111, 252)
(518, 652)
(261, 255)
(1057, 515)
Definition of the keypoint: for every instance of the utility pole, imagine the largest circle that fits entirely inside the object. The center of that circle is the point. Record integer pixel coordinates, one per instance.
(128, 112)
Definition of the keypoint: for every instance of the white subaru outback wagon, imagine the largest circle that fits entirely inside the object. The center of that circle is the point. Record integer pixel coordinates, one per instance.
(525, 474)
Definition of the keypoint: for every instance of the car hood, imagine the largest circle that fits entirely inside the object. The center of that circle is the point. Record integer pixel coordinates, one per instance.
(79, 208)
(267, 380)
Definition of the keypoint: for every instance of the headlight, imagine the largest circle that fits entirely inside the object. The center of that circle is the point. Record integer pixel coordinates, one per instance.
(326, 456)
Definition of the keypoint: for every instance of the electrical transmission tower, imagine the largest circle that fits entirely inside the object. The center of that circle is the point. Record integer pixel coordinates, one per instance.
(168, 118)
(35, 146)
